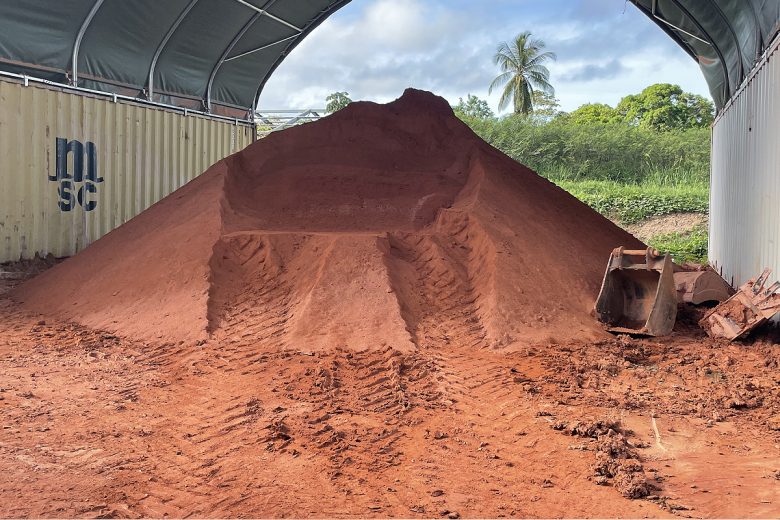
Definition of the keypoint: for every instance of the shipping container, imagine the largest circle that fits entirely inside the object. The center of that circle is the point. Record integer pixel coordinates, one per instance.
(745, 177)
(76, 164)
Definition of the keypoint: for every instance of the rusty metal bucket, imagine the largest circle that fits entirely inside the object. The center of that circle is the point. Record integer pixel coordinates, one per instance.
(751, 306)
(701, 286)
(638, 294)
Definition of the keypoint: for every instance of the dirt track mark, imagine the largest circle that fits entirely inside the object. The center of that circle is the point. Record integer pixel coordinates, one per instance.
(430, 276)
(250, 300)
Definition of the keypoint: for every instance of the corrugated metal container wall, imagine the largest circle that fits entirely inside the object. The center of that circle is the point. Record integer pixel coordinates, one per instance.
(73, 166)
(745, 177)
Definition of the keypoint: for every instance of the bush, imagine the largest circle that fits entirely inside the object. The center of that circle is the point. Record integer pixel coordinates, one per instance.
(624, 172)
(629, 203)
(563, 151)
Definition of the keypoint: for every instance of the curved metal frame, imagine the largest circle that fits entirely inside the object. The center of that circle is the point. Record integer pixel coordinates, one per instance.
(734, 36)
(723, 64)
(666, 29)
(313, 23)
(259, 12)
(77, 44)
(263, 11)
(759, 30)
(161, 47)
(757, 19)
(210, 83)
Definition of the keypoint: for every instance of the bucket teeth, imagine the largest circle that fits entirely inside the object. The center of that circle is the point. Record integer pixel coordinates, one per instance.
(751, 306)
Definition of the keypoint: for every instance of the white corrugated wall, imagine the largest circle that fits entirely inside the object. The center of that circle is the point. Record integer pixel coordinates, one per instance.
(141, 153)
(745, 177)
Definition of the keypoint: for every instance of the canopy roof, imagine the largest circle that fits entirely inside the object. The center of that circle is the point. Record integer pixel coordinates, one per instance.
(218, 54)
(212, 54)
(726, 37)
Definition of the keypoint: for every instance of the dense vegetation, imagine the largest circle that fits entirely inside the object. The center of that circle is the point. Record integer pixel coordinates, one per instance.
(562, 150)
(644, 158)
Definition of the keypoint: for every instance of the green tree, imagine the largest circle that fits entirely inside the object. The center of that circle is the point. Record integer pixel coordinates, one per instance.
(473, 107)
(522, 72)
(545, 106)
(595, 113)
(666, 107)
(336, 101)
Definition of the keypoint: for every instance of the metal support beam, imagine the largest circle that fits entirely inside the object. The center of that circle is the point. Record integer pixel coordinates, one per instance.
(222, 58)
(674, 35)
(333, 7)
(737, 44)
(654, 6)
(77, 44)
(229, 48)
(759, 30)
(706, 40)
(277, 120)
(163, 43)
(269, 15)
(700, 28)
(277, 42)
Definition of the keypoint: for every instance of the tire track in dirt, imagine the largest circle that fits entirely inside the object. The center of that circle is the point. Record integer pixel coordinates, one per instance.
(344, 411)
(343, 433)
(436, 299)
(250, 299)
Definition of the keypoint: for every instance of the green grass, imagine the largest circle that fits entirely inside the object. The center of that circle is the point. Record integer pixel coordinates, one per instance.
(684, 247)
(630, 203)
(560, 150)
(626, 173)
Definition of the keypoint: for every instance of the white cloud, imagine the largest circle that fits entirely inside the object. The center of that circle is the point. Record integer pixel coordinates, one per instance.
(391, 45)
(375, 48)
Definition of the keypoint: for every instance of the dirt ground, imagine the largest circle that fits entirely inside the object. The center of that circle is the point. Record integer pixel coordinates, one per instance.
(373, 315)
(665, 224)
(94, 425)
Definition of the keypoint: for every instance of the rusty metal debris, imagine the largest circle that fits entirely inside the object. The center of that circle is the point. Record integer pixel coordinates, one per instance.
(752, 305)
(638, 294)
(698, 284)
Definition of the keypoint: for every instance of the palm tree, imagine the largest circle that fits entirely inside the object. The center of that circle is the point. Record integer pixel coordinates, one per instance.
(522, 71)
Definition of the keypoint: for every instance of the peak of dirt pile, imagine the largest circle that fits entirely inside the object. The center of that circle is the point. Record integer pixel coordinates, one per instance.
(379, 226)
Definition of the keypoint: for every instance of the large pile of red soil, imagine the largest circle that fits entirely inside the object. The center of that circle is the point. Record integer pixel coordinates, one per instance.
(389, 226)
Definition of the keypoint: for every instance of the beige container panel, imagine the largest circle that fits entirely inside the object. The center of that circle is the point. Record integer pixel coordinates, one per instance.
(141, 154)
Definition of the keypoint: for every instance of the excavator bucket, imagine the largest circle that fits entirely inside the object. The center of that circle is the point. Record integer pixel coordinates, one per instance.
(638, 295)
(701, 286)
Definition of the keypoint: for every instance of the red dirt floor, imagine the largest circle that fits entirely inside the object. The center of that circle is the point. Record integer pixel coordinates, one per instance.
(94, 425)
(373, 315)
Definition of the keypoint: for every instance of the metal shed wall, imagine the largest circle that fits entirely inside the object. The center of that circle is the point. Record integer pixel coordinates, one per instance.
(120, 156)
(745, 177)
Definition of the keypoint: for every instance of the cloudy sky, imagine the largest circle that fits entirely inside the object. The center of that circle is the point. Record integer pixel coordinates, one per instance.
(373, 49)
